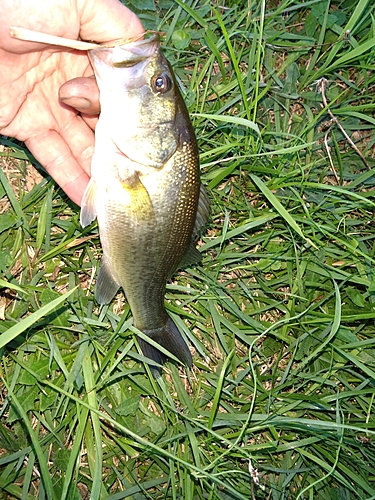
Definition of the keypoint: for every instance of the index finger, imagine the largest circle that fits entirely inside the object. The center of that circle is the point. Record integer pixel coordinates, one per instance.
(53, 152)
(107, 20)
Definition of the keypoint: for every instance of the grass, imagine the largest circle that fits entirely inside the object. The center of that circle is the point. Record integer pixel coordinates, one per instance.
(280, 314)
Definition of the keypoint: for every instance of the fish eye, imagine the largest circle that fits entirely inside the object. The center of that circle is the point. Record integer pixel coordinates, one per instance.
(162, 83)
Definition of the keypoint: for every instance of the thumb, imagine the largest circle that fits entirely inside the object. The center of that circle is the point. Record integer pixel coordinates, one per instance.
(107, 20)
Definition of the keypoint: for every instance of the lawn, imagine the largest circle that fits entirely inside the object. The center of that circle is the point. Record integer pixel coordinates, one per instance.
(279, 315)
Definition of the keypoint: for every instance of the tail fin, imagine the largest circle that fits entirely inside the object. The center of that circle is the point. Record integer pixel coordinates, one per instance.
(170, 338)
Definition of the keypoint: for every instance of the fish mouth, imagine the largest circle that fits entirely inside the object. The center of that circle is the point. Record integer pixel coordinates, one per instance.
(126, 55)
(129, 60)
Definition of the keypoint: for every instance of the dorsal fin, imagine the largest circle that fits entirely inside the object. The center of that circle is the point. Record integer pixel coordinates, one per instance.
(193, 256)
(203, 213)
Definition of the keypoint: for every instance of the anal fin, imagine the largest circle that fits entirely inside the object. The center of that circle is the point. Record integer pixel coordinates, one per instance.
(106, 286)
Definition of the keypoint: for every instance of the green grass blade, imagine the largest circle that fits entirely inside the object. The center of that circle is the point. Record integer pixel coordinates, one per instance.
(27, 322)
(45, 475)
(281, 210)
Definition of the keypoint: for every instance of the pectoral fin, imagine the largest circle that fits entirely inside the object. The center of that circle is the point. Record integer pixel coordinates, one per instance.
(106, 285)
(140, 201)
(88, 209)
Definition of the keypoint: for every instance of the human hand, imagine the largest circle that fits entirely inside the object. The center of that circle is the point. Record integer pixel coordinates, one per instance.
(31, 74)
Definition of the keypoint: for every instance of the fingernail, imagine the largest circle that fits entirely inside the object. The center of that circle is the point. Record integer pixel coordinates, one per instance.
(76, 102)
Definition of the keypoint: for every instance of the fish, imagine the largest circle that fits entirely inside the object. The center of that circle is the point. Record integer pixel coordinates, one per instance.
(145, 189)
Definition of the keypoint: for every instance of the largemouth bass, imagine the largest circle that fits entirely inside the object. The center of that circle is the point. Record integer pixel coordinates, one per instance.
(145, 188)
